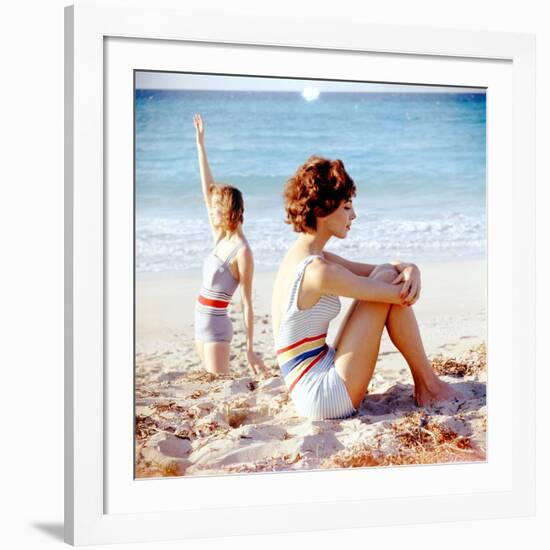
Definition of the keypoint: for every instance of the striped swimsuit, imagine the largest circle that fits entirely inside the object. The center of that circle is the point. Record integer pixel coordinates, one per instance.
(212, 322)
(305, 359)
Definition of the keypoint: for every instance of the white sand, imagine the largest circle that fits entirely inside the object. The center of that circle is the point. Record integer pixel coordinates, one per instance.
(190, 422)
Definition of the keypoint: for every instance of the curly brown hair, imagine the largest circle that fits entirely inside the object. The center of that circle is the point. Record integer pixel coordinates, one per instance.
(232, 204)
(316, 190)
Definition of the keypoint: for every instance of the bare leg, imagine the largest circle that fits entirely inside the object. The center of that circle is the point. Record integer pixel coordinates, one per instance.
(404, 333)
(200, 350)
(214, 356)
(358, 342)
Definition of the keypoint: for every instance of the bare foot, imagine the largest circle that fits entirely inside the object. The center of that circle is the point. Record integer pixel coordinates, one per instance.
(435, 392)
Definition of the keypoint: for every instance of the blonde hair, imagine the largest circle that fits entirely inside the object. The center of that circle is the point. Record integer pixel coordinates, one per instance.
(232, 205)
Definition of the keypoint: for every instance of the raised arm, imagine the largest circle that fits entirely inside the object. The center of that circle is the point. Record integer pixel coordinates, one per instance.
(206, 175)
(245, 264)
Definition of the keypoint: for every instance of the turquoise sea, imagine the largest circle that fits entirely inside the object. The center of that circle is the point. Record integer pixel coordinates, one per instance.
(418, 160)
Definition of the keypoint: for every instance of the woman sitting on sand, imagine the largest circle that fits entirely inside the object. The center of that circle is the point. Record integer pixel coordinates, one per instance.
(324, 381)
(220, 278)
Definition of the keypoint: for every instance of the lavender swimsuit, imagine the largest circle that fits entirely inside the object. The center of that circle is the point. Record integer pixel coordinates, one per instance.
(212, 322)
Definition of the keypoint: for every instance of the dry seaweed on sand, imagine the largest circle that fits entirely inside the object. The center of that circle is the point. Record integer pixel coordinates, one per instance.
(420, 430)
(419, 439)
(145, 427)
(204, 376)
(153, 468)
(270, 464)
(363, 457)
(469, 364)
(171, 406)
(233, 410)
(236, 413)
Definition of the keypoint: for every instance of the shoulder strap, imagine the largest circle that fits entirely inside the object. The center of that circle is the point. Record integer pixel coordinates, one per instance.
(296, 284)
(233, 253)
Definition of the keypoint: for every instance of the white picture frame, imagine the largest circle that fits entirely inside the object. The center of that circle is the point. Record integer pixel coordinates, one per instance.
(503, 486)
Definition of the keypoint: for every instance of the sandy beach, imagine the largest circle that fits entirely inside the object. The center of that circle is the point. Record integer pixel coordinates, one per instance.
(189, 422)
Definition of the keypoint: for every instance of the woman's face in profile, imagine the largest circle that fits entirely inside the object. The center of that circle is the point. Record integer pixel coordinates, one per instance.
(339, 222)
(216, 212)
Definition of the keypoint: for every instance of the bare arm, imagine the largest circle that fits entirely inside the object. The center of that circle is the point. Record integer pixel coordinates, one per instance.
(206, 175)
(361, 269)
(245, 264)
(333, 278)
(409, 274)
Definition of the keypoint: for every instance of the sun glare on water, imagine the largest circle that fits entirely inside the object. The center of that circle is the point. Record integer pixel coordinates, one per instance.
(311, 94)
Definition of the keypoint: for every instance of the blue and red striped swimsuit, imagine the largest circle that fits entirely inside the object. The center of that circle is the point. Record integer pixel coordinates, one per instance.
(306, 360)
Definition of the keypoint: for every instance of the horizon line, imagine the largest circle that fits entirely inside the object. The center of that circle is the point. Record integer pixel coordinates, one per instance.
(460, 90)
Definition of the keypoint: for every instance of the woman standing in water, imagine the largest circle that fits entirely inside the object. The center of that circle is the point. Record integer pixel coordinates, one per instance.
(331, 381)
(229, 265)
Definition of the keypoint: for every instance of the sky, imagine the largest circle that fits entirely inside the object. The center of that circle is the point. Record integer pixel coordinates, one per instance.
(185, 81)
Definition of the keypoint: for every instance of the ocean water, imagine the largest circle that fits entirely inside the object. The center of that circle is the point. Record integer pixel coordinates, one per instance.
(418, 161)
